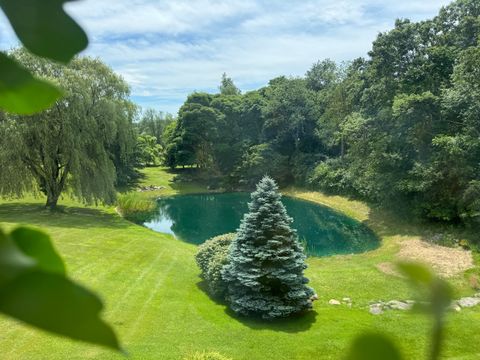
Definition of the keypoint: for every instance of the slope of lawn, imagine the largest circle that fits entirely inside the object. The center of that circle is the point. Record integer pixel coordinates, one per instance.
(154, 298)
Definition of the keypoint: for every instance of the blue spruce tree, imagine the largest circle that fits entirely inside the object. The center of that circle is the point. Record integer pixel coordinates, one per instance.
(266, 262)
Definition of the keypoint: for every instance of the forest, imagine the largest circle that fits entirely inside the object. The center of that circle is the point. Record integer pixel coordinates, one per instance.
(398, 127)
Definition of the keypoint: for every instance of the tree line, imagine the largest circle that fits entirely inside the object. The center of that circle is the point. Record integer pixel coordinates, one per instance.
(401, 126)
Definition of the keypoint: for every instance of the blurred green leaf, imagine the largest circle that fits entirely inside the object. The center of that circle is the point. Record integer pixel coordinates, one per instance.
(35, 290)
(438, 295)
(439, 292)
(20, 92)
(45, 28)
(37, 245)
(12, 261)
(54, 303)
(373, 347)
(416, 273)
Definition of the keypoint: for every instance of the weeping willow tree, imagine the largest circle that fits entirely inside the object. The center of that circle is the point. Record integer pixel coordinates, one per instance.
(68, 147)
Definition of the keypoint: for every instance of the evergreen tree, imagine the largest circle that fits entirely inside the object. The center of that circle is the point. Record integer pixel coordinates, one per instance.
(266, 261)
(228, 87)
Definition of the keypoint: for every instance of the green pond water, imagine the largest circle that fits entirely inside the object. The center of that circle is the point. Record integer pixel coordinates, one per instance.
(196, 218)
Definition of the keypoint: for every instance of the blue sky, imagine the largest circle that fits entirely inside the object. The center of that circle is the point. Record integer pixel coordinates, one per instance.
(168, 49)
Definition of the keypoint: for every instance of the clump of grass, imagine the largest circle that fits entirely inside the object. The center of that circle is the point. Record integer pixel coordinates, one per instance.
(206, 356)
(134, 205)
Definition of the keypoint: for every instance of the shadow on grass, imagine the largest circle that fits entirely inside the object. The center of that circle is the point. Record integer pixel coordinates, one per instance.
(292, 324)
(66, 216)
(133, 183)
(202, 286)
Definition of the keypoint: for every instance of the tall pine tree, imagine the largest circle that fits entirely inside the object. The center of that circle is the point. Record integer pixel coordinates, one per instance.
(266, 261)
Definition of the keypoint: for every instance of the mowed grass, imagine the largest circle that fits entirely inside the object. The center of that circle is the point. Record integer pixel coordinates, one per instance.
(154, 298)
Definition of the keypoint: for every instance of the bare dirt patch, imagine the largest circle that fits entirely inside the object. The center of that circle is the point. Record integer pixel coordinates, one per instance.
(446, 262)
(388, 268)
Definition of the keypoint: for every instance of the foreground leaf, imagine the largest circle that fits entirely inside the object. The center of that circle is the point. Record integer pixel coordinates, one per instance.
(416, 273)
(373, 347)
(45, 28)
(438, 292)
(54, 303)
(35, 290)
(438, 296)
(37, 245)
(12, 261)
(20, 92)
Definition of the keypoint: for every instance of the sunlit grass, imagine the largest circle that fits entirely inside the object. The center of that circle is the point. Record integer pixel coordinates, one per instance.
(154, 298)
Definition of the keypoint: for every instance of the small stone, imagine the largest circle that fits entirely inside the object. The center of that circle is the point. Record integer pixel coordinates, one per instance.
(399, 305)
(455, 307)
(467, 302)
(334, 302)
(376, 309)
(347, 300)
(437, 237)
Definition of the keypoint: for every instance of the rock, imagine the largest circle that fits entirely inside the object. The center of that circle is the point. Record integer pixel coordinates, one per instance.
(150, 188)
(334, 302)
(347, 300)
(376, 309)
(399, 305)
(314, 297)
(437, 238)
(455, 307)
(467, 302)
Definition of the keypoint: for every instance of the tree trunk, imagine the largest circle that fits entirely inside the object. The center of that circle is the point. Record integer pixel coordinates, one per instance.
(52, 200)
(342, 151)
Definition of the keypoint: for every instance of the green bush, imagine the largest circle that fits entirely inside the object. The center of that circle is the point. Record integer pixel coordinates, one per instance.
(331, 176)
(206, 356)
(211, 257)
(134, 205)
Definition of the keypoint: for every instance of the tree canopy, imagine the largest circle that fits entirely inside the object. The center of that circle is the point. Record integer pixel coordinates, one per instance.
(400, 126)
(73, 145)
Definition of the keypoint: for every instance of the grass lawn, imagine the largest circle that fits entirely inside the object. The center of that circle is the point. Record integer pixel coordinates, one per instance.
(154, 298)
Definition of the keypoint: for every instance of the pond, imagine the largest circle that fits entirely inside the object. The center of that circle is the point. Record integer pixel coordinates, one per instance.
(196, 218)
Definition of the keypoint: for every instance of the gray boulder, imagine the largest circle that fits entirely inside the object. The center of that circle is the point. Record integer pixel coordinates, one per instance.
(467, 302)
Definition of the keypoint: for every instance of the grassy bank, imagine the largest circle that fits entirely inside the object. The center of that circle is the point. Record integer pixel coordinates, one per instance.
(154, 298)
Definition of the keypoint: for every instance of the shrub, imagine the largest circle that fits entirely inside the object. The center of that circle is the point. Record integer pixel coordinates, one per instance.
(206, 356)
(331, 176)
(134, 205)
(211, 257)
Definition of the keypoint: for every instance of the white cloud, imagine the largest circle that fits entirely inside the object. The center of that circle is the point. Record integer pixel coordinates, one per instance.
(167, 49)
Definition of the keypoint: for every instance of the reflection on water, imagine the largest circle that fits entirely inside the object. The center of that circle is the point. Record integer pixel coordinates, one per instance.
(196, 218)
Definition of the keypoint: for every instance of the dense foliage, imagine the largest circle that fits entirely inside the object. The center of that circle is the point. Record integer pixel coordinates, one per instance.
(264, 274)
(211, 257)
(154, 123)
(84, 143)
(401, 126)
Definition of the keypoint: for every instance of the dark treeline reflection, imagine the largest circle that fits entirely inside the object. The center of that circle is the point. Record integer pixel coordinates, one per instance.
(196, 218)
